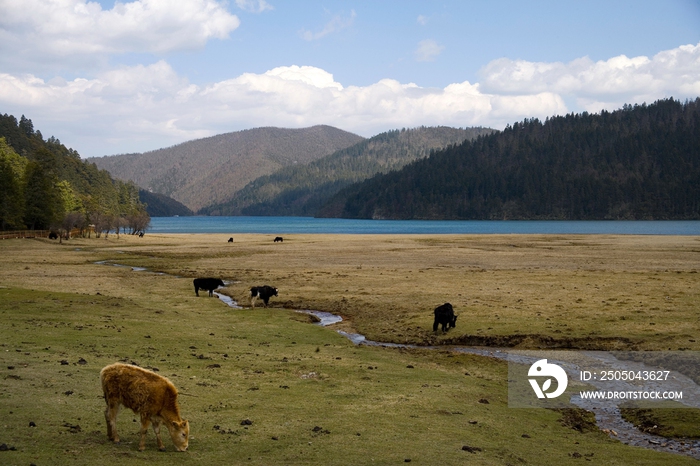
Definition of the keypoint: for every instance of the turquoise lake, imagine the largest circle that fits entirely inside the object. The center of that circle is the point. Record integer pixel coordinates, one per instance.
(292, 225)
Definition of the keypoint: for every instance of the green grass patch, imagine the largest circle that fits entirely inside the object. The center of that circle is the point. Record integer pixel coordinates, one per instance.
(670, 423)
(311, 396)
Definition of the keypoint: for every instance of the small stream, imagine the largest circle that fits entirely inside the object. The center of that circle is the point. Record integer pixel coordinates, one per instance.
(135, 269)
(607, 412)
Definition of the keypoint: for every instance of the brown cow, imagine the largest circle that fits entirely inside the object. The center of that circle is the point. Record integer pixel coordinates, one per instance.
(145, 393)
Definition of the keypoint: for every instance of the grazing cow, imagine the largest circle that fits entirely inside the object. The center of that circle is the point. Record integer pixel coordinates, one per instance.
(53, 235)
(262, 292)
(445, 316)
(209, 284)
(141, 235)
(230, 240)
(279, 239)
(148, 394)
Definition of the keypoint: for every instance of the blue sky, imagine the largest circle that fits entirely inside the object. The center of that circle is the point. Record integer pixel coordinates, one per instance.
(110, 78)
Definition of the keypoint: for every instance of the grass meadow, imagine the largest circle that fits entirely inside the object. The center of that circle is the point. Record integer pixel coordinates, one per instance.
(266, 387)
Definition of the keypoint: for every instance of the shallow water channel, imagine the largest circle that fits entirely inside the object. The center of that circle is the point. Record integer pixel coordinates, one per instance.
(607, 412)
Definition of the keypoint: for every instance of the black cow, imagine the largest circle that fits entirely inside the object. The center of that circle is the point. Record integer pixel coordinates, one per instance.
(53, 235)
(279, 239)
(230, 240)
(209, 284)
(262, 292)
(445, 316)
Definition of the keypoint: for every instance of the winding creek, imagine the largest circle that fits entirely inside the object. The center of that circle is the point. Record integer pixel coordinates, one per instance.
(607, 412)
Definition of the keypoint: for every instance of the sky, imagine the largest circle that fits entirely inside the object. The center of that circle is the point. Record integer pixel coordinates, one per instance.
(108, 77)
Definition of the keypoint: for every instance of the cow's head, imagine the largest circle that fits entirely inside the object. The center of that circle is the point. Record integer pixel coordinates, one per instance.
(221, 283)
(453, 322)
(275, 291)
(180, 434)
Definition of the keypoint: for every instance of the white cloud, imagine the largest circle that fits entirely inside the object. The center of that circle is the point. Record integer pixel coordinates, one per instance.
(604, 84)
(143, 107)
(337, 23)
(422, 20)
(37, 30)
(308, 74)
(131, 104)
(428, 50)
(254, 6)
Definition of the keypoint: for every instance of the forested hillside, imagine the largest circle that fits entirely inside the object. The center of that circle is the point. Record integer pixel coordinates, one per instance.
(300, 190)
(640, 162)
(44, 185)
(160, 205)
(211, 170)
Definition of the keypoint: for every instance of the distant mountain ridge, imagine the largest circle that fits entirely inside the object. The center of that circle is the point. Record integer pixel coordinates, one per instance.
(639, 162)
(205, 171)
(300, 190)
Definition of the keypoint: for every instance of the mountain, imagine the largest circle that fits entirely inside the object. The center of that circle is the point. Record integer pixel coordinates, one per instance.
(640, 162)
(204, 171)
(160, 205)
(299, 190)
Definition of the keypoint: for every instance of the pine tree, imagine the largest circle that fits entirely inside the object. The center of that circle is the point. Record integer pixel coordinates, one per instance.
(40, 197)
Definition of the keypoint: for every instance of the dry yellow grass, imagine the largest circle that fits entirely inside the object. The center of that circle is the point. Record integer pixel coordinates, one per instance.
(585, 291)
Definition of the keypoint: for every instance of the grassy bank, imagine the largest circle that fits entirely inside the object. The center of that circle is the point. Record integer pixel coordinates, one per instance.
(312, 397)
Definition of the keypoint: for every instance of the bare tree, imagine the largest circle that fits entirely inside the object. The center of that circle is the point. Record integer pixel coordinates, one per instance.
(118, 223)
(138, 223)
(102, 222)
(70, 220)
